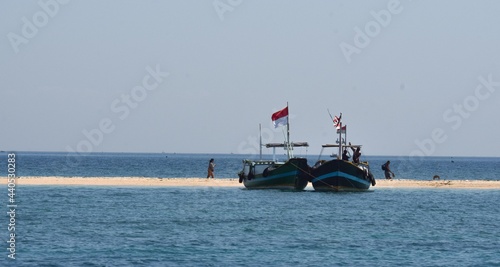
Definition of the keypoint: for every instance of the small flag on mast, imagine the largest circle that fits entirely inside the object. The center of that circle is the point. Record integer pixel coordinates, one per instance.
(280, 118)
(344, 128)
(336, 121)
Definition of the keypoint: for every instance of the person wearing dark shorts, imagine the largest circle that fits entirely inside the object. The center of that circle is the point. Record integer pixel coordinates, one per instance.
(387, 170)
(211, 168)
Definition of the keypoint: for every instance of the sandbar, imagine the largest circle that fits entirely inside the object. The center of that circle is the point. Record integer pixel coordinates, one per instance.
(464, 184)
(123, 181)
(231, 182)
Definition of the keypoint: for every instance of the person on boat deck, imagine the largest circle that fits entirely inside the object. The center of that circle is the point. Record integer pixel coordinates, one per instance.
(345, 156)
(356, 154)
(387, 170)
(211, 168)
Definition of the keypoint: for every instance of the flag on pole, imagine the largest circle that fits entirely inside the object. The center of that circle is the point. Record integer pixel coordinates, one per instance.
(336, 121)
(280, 118)
(344, 128)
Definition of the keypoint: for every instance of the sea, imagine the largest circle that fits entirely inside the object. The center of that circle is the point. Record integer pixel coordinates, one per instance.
(231, 226)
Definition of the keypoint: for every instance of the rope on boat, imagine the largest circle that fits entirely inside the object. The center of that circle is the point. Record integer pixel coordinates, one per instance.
(312, 176)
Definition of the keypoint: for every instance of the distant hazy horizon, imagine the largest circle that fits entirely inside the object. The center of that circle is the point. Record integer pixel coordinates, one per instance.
(265, 155)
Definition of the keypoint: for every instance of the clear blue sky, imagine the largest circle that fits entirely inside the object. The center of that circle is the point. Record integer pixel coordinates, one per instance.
(410, 77)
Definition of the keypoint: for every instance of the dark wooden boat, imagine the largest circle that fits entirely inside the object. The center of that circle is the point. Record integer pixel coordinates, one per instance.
(338, 174)
(341, 175)
(291, 174)
(271, 174)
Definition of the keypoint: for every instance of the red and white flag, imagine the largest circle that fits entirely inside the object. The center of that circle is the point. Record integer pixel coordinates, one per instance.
(344, 128)
(280, 118)
(336, 121)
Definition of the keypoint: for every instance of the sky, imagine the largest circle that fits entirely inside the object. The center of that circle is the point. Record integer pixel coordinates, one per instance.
(411, 78)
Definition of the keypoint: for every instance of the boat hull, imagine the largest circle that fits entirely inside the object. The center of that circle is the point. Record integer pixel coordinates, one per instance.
(291, 175)
(340, 175)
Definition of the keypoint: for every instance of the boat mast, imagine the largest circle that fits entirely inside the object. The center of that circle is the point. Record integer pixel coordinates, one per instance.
(345, 134)
(288, 148)
(260, 141)
(339, 155)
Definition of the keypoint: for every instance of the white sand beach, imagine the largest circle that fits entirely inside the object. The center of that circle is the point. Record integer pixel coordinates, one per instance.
(224, 182)
(124, 181)
(465, 184)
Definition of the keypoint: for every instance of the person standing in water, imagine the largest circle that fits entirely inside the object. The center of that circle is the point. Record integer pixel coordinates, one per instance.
(211, 168)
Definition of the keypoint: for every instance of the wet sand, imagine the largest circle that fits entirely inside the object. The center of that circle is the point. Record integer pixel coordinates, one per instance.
(465, 184)
(224, 182)
(125, 181)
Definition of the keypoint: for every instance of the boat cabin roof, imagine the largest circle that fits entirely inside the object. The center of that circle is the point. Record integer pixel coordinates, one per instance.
(293, 144)
(261, 162)
(336, 145)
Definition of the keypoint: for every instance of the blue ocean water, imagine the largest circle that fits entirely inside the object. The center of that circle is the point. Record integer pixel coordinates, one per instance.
(227, 165)
(215, 226)
(147, 226)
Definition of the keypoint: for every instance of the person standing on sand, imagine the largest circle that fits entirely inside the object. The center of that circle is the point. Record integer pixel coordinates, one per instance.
(211, 168)
(387, 170)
